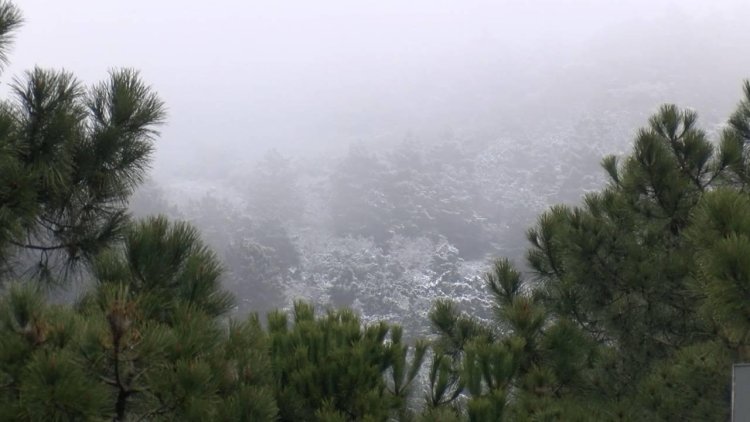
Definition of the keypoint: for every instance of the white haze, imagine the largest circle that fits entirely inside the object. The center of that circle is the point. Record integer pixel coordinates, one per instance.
(242, 77)
(511, 105)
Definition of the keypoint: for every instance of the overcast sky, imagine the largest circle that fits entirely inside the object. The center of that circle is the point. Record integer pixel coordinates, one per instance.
(251, 75)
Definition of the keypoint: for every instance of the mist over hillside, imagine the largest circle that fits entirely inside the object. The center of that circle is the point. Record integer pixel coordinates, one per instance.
(380, 155)
(392, 192)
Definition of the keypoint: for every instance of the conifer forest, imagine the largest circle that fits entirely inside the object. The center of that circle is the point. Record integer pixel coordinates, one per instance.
(542, 234)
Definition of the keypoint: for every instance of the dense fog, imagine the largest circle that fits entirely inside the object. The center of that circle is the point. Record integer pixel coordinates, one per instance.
(377, 155)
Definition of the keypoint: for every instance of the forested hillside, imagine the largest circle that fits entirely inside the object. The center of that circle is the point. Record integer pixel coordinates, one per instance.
(404, 289)
(421, 213)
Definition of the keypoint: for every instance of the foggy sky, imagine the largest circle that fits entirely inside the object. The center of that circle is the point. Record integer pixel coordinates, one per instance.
(242, 77)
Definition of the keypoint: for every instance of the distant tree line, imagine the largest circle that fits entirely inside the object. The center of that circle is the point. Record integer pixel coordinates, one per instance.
(296, 220)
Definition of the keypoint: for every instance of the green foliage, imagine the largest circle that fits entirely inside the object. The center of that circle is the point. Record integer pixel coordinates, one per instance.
(735, 154)
(635, 308)
(441, 414)
(69, 159)
(444, 381)
(43, 376)
(165, 263)
(154, 336)
(721, 236)
(639, 304)
(691, 385)
(332, 367)
(247, 378)
(403, 372)
(145, 341)
(115, 357)
(54, 386)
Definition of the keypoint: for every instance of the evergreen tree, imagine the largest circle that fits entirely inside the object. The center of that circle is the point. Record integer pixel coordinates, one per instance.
(71, 156)
(145, 343)
(636, 304)
(332, 368)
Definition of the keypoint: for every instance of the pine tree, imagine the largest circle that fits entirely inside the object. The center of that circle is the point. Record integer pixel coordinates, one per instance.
(636, 305)
(145, 343)
(147, 339)
(331, 367)
(17, 202)
(43, 379)
(71, 156)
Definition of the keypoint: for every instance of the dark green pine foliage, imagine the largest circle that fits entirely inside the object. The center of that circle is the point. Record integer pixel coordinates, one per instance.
(156, 303)
(513, 370)
(71, 156)
(17, 201)
(148, 338)
(42, 377)
(637, 299)
(145, 343)
(735, 144)
(331, 367)
(166, 264)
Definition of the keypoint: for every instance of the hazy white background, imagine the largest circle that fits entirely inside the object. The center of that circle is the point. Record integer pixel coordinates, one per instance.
(513, 103)
(240, 77)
